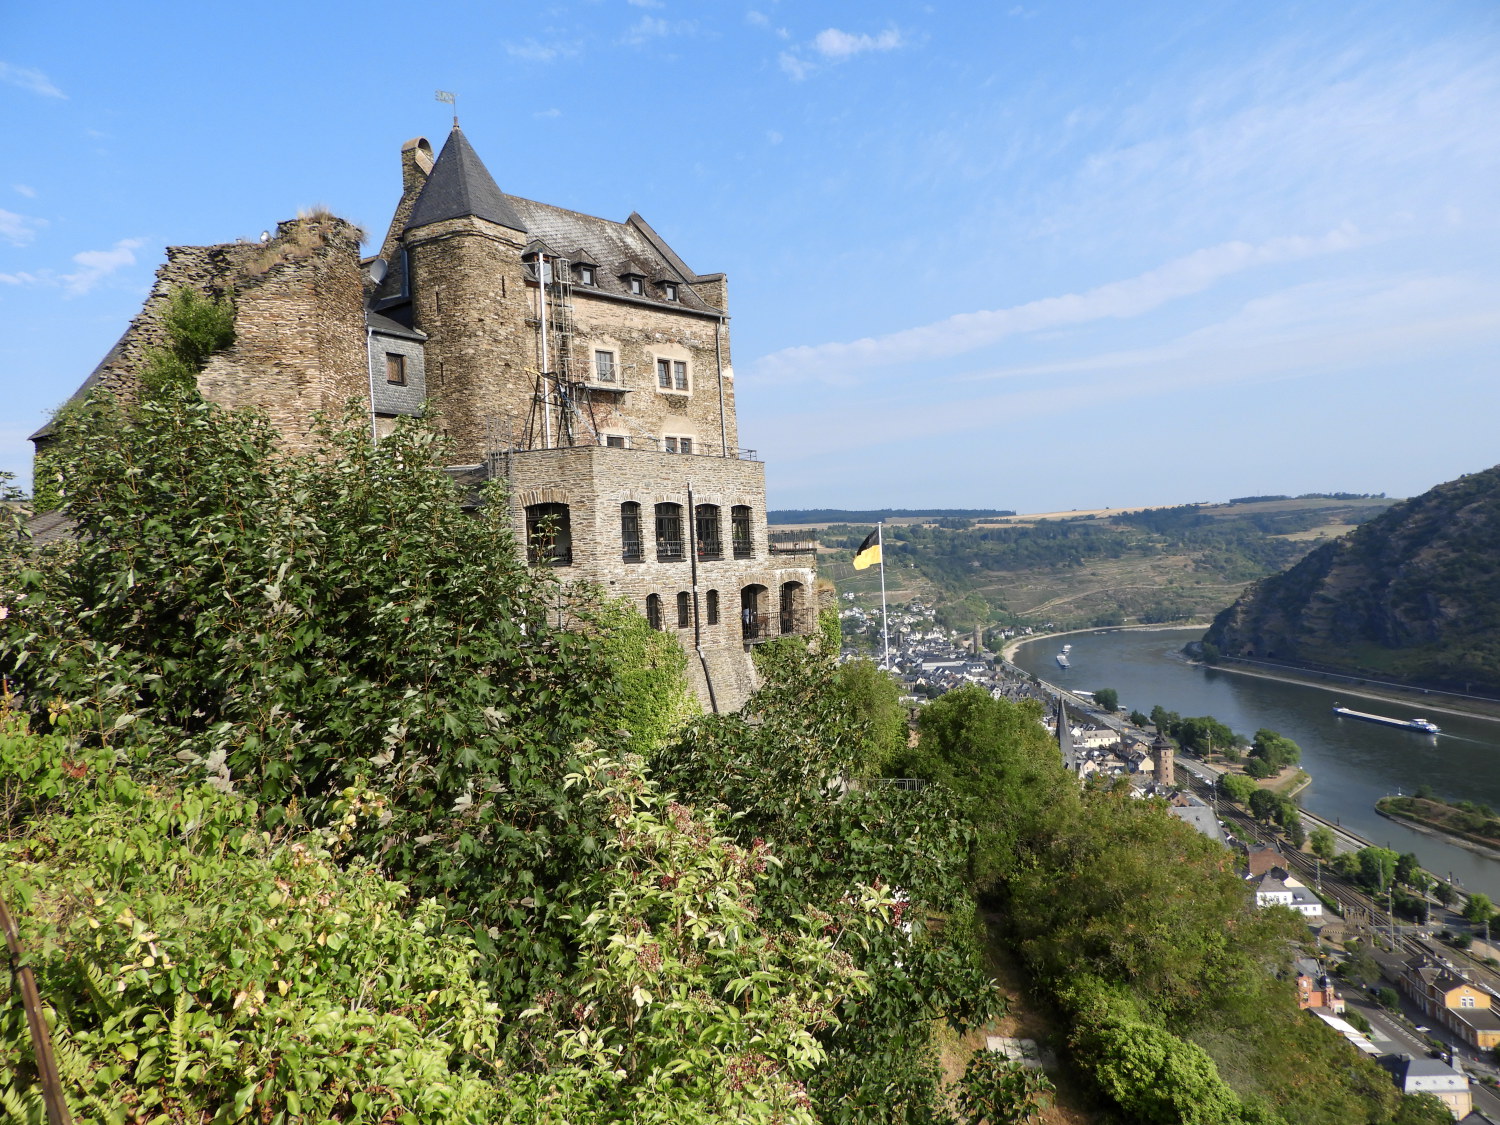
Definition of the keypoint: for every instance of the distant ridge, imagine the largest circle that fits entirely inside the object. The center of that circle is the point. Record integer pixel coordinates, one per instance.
(849, 515)
(1413, 594)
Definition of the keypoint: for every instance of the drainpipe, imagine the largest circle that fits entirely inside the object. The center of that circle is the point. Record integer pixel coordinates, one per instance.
(719, 365)
(692, 517)
(370, 370)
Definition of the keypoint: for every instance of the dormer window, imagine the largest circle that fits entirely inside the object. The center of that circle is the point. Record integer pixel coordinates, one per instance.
(669, 290)
(636, 284)
(585, 275)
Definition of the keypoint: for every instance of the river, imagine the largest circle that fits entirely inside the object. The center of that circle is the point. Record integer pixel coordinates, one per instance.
(1352, 763)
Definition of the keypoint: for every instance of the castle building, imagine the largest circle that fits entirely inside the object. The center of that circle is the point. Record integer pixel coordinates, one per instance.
(577, 359)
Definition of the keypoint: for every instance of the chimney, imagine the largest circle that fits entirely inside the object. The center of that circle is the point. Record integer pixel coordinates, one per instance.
(416, 162)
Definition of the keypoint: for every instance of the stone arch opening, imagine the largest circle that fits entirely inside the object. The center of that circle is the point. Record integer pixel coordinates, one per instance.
(755, 615)
(793, 606)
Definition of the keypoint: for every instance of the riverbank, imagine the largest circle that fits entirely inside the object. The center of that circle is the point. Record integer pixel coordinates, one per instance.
(1435, 828)
(1008, 651)
(1471, 708)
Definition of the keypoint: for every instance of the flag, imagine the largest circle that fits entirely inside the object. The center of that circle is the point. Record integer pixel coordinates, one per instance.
(869, 551)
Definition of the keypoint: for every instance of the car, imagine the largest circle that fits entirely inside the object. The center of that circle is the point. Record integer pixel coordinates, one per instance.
(1424, 1030)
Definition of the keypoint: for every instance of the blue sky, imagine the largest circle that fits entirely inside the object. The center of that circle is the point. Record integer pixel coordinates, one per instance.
(1029, 255)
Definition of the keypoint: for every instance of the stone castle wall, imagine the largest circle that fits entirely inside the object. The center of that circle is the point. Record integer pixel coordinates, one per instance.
(594, 482)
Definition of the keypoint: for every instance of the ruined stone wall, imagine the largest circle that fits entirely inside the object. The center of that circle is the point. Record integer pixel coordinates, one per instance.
(594, 482)
(299, 329)
(469, 295)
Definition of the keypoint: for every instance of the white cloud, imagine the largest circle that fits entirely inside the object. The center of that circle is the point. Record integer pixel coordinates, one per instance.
(1117, 300)
(756, 19)
(647, 27)
(27, 79)
(22, 278)
(532, 51)
(26, 190)
(773, 136)
(553, 112)
(96, 265)
(834, 44)
(645, 3)
(19, 230)
(795, 66)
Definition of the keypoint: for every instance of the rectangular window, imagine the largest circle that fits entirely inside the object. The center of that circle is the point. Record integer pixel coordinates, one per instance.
(632, 549)
(637, 286)
(679, 375)
(684, 610)
(604, 367)
(739, 527)
(615, 441)
(669, 290)
(677, 444)
(706, 528)
(395, 369)
(664, 374)
(713, 607)
(670, 444)
(585, 275)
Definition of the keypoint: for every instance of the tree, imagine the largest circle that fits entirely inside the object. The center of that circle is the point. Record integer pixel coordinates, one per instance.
(1108, 699)
(1479, 909)
(1237, 787)
(1444, 892)
(1164, 720)
(1203, 735)
(874, 697)
(1275, 750)
(1264, 805)
(1138, 719)
(1323, 843)
(1408, 869)
(1422, 1109)
(1388, 997)
(1377, 867)
(1296, 834)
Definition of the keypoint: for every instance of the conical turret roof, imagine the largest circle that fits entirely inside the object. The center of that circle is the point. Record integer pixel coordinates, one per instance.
(460, 185)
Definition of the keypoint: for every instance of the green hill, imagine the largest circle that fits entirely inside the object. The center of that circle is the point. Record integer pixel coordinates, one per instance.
(1413, 594)
(1093, 568)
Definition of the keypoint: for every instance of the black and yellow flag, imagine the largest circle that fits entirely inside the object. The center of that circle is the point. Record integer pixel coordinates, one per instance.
(869, 551)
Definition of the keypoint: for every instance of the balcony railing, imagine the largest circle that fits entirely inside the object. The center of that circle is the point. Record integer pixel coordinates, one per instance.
(759, 627)
(670, 550)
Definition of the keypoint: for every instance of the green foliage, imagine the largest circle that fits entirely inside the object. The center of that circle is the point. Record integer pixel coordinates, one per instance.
(1202, 735)
(1387, 997)
(778, 766)
(996, 1091)
(1264, 805)
(1323, 843)
(1479, 909)
(653, 698)
(1237, 787)
(873, 699)
(1375, 867)
(196, 326)
(292, 624)
(199, 966)
(1108, 699)
(1422, 1109)
(1275, 750)
(1153, 1075)
(1138, 719)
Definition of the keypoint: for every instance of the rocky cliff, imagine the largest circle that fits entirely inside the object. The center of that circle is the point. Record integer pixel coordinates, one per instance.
(1413, 594)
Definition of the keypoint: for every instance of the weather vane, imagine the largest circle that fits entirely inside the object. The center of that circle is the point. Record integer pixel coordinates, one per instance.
(452, 99)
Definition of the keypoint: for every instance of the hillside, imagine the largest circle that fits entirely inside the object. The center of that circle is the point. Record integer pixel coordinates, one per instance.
(1413, 594)
(1096, 567)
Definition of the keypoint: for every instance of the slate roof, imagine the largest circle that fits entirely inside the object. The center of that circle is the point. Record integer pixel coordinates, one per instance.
(460, 185)
(388, 327)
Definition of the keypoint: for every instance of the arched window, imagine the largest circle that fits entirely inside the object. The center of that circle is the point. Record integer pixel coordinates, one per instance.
(632, 548)
(669, 533)
(739, 522)
(706, 527)
(684, 610)
(549, 535)
(754, 620)
(711, 606)
(653, 611)
(791, 606)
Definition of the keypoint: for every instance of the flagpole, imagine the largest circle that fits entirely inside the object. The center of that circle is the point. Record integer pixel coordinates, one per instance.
(885, 617)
